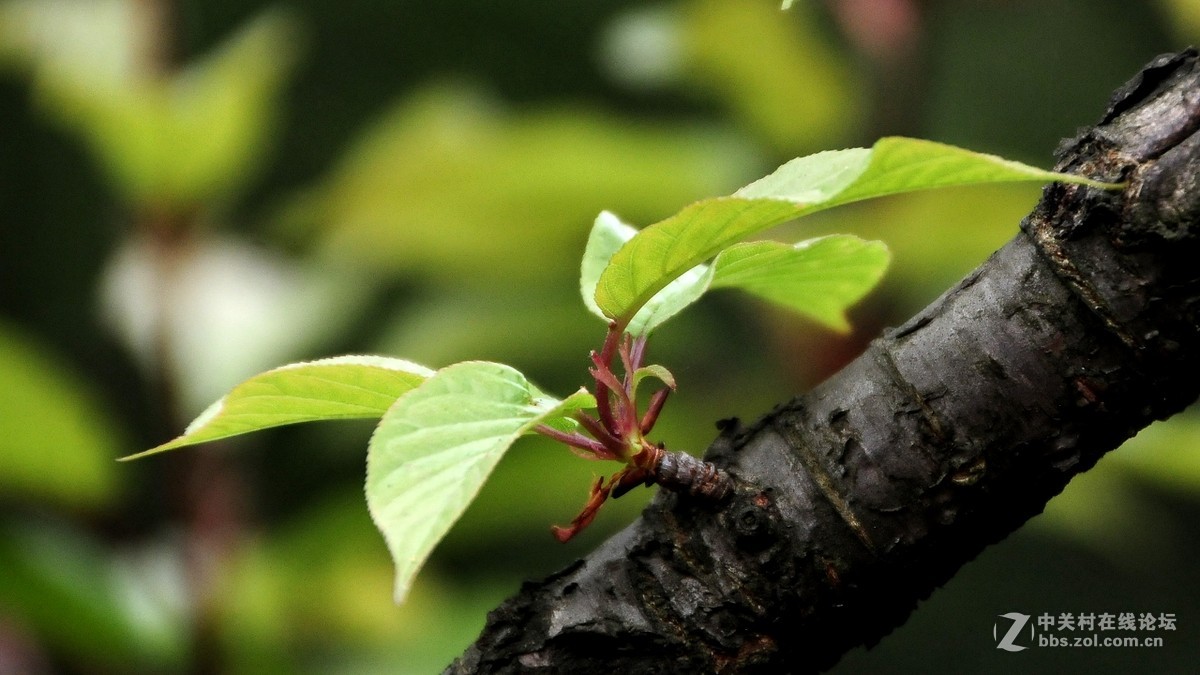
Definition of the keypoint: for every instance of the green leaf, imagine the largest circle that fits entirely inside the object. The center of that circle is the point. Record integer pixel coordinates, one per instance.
(662, 252)
(657, 372)
(818, 278)
(436, 446)
(342, 387)
(607, 236)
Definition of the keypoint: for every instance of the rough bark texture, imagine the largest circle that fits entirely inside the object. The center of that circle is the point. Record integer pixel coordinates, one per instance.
(860, 498)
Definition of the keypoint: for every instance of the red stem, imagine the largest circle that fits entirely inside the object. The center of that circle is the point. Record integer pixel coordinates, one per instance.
(603, 361)
(575, 440)
(627, 364)
(656, 404)
(616, 432)
(599, 432)
(637, 352)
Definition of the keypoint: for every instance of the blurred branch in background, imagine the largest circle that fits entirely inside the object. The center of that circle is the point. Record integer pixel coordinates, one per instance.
(191, 192)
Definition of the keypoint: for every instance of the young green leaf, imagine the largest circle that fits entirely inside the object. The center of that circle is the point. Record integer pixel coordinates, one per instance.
(818, 278)
(662, 252)
(657, 372)
(437, 445)
(607, 236)
(666, 251)
(343, 387)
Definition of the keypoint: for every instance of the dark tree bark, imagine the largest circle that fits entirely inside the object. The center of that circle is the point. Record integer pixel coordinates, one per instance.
(860, 498)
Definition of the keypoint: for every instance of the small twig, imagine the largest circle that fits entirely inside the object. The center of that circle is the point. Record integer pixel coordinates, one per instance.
(594, 449)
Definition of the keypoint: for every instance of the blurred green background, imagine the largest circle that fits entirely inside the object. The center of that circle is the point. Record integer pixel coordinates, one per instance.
(194, 191)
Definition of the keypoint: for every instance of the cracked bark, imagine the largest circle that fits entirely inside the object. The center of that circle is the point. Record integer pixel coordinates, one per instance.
(857, 500)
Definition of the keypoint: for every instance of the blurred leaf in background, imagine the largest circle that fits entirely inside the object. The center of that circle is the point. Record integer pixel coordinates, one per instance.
(57, 440)
(777, 75)
(451, 184)
(89, 604)
(163, 138)
(1182, 18)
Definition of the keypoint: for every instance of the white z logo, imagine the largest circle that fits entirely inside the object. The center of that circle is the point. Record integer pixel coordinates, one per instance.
(1007, 643)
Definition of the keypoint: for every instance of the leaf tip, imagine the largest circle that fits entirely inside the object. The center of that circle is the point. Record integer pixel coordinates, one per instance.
(169, 445)
(400, 591)
(839, 324)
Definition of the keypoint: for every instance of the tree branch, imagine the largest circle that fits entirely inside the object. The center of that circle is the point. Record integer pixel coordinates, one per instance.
(860, 498)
